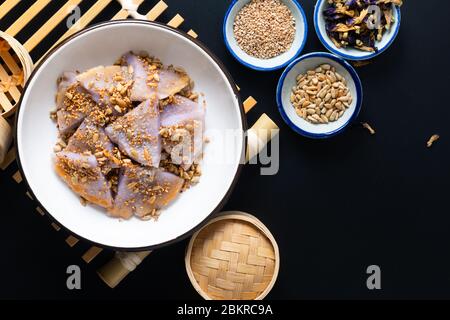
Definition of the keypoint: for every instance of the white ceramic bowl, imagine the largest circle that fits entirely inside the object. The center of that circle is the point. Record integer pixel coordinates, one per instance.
(352, 53)
(102, 45)
(288, 81)
(275, 63)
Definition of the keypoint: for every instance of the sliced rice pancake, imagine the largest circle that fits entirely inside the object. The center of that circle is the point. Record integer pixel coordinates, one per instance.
(142, 191)
(150, 77)
(182, 123)
(73, 104)
(83, 175)
(109, 86)
(137, 133)
(91, 137)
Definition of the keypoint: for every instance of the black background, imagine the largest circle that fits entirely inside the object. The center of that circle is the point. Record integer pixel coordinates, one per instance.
(335, 207)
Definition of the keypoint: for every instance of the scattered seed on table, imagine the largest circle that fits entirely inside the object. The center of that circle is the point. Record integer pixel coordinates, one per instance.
(369, 128)
(432, 140)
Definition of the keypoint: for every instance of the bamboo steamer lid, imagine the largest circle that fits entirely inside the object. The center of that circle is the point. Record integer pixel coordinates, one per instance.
(7, 42)
(233, 257)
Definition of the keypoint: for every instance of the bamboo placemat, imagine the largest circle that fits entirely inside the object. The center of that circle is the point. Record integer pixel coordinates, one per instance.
(10, 66)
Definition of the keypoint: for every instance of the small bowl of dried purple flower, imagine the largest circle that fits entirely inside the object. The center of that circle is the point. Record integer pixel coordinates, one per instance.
(357, 29)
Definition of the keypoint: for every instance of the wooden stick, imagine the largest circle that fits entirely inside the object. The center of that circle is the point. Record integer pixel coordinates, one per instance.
(120, 266)
(71, 241)
(40, 211)
(55, 226)
(176, 21)
(7, 6)
(89, 255)
(17, 177)
(249, 104)
(5, 138)
(193, 34)
(157, 10)
(259, 135)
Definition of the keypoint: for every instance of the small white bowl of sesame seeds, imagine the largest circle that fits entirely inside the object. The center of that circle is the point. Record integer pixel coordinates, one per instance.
(265, 35)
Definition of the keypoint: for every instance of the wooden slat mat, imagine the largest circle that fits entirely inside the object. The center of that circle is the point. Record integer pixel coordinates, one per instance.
(9, 65)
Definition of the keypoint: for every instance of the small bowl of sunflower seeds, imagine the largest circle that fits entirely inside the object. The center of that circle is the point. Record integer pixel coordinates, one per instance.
(357, 29)
(265, 35)
(319, 95)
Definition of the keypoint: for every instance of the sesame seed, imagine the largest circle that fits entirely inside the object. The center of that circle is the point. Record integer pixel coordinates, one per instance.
(264, 28)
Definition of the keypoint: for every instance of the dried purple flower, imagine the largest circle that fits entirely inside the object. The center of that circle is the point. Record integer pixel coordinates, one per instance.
(351, 4)
(351, 39)
(347, 22)
(328, 12)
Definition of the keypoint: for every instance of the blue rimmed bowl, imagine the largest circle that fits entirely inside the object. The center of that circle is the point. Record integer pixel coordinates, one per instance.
(288, 81)
(352, 53)
(275, 63)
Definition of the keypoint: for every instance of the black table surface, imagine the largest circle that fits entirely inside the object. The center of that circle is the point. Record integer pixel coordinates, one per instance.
(335, 207)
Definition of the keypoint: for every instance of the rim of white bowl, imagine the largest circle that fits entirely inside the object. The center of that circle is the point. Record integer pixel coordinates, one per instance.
(255, 67)
(356, 80)
(340, 52)
(243, 122)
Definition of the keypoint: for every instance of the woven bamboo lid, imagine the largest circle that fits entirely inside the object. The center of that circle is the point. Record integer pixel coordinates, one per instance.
(233, 257)
(11, 79)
